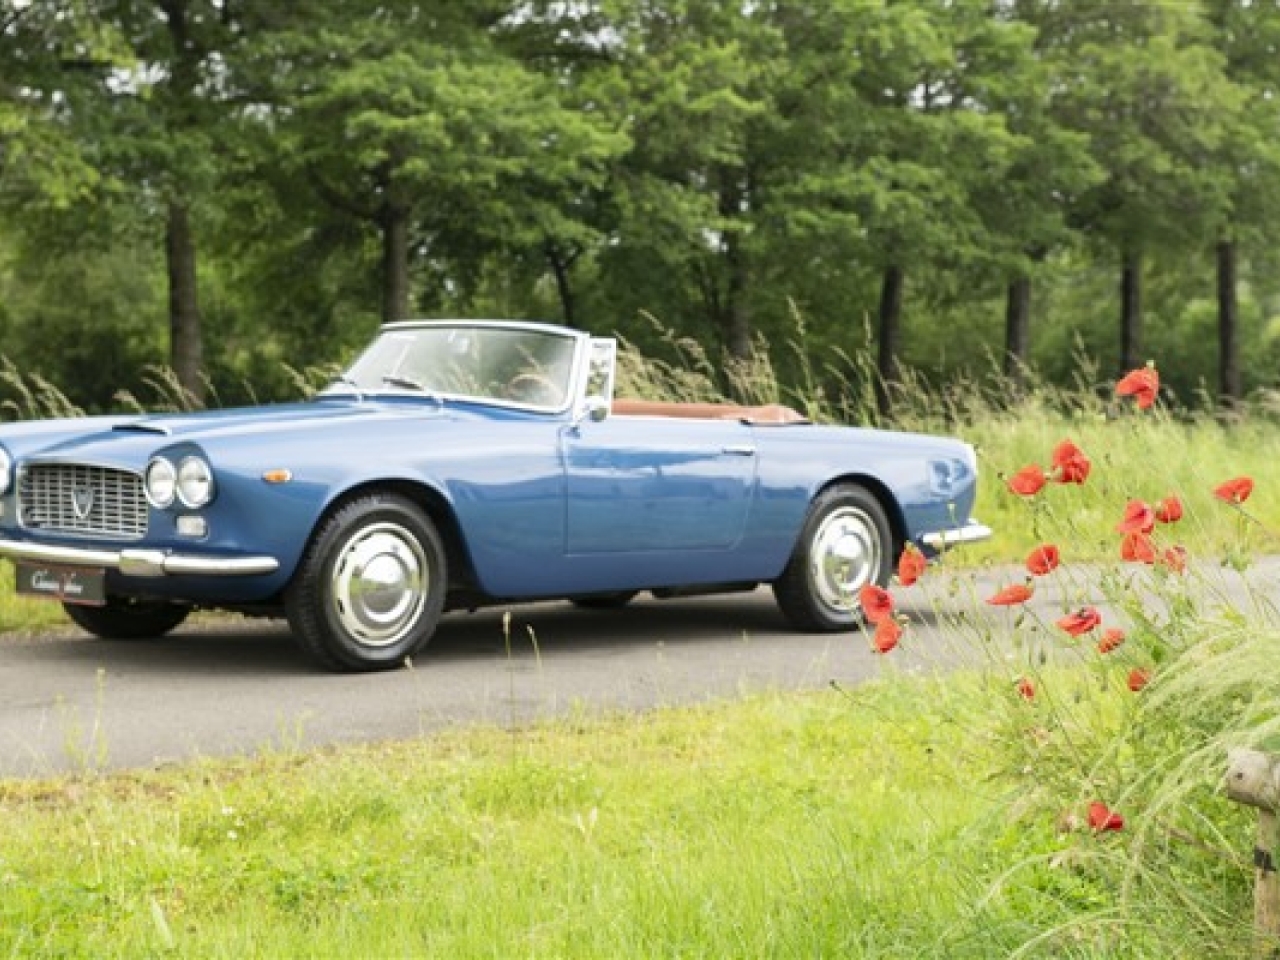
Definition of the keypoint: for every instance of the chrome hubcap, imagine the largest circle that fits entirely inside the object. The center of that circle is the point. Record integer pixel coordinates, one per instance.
(380, 584)
(845, 556)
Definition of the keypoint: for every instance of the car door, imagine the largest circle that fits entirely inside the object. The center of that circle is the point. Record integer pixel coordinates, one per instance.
(645, 484)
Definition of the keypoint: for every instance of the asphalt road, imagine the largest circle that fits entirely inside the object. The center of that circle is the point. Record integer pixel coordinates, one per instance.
(72, 703)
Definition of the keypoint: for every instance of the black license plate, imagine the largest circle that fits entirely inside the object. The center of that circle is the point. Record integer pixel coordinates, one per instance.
(86, 585)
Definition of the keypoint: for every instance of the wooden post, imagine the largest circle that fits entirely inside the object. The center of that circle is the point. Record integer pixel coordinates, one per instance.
(1253, 778)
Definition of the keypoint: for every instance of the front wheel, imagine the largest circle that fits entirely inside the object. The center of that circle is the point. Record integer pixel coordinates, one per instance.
(846, 543)
(370, 589)
(123, 618)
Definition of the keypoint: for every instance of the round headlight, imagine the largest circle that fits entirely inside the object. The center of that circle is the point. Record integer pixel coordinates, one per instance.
(161, 483)
(6, 471)
(195, 482)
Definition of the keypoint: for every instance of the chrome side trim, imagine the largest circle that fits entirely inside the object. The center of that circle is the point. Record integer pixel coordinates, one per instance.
(140, 563)
(971, 532)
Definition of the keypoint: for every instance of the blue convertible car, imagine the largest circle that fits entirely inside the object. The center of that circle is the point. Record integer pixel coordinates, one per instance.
(458, 464)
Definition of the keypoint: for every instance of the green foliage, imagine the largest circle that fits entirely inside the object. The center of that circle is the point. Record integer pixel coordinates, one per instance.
(86, 316)
(717, 166)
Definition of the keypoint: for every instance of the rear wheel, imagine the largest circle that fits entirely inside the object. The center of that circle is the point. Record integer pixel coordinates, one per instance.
(123, 618)
(846, 543)
(370, 589)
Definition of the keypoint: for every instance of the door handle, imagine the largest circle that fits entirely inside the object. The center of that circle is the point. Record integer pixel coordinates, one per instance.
(744, 450)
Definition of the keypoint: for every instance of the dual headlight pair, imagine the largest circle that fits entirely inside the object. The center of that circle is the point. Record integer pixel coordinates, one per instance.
(190, 483)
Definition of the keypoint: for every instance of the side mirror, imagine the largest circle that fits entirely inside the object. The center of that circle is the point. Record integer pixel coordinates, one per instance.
(595, 409)
(597, 398)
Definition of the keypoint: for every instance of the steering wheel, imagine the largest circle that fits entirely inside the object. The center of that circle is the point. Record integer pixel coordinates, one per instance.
(530, 387)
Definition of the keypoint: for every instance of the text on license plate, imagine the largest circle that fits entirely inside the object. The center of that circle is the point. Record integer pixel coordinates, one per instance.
(85, 585)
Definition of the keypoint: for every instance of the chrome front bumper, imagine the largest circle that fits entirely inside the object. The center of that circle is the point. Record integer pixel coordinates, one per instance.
(138, 562)
(971, 532)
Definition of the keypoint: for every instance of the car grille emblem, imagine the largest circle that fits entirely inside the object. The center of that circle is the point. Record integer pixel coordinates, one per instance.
(82, 501)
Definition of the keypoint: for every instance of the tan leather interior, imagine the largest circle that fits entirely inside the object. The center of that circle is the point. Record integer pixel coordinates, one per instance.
(774, 413)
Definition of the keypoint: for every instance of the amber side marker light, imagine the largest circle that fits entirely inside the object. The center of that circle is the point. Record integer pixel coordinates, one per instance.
(278, 476)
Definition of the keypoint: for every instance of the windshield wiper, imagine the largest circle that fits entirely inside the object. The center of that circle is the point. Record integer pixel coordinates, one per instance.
(408, 383)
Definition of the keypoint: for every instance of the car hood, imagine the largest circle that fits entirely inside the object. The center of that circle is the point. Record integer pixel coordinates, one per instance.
(131, 440)
(209, 424)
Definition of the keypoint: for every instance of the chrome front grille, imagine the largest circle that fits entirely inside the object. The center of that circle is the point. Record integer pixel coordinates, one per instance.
(80, 499)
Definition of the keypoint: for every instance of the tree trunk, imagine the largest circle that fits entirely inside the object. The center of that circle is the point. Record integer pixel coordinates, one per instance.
(394, 221)
(1131, 313)
(560, 266)
(1230, 389)
(186, 347)
(186, 340)
(737, 313)
(735, 191)
(890, 334)
(1017, 331)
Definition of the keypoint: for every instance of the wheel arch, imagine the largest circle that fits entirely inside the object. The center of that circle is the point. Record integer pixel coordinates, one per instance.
(883, 495)
(438, 510)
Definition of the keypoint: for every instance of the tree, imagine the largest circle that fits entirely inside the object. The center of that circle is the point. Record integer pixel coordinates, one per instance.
(50, 54)
(1027, 208)
(153, 123)
(692, 191)
(1248, 36)
(897, 104)
(1151, 96)
(411, 118)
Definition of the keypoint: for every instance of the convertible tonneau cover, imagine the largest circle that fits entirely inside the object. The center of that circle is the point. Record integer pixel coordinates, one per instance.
(765, 413)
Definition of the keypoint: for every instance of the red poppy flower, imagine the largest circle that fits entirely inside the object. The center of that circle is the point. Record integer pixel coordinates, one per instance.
(1070, 464)
(1112, 638)
(1138, 678)
(876, 602)
(1026, 689)
(1080, 621)
(911, 565)
(1137, 548)
(1028, 481)
(1169, 510)
(888, 633)
(1175, 558)
(1043, 559)
(1142, 384)
(1234, 491)
(1138, 518)
(1102, 817)
(1012, 596)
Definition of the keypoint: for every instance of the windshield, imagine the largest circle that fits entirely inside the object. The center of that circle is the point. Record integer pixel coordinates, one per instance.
(504, 364)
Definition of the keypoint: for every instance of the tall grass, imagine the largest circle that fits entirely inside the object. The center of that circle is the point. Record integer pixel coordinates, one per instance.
(1188, 449)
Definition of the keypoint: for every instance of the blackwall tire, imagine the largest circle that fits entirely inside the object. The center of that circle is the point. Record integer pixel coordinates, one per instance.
(845, 544)
(122, 618)
(370, 588)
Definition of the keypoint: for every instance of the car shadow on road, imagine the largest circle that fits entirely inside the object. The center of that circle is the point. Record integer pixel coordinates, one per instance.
(521, 633)
(237, 646)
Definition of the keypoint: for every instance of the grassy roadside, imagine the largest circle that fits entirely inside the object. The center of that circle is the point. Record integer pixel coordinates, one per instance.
(860, 824)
